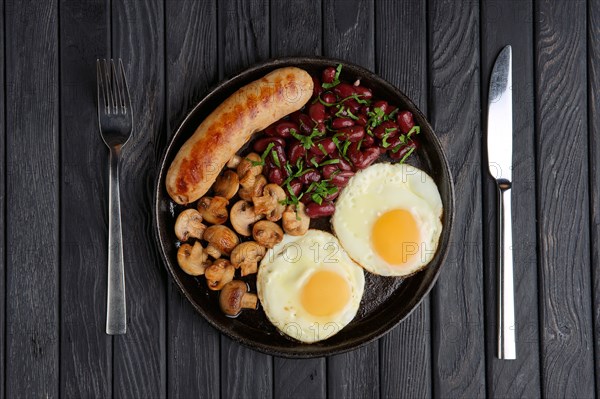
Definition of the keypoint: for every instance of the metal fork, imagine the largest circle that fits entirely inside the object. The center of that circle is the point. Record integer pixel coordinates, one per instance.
(115, 118)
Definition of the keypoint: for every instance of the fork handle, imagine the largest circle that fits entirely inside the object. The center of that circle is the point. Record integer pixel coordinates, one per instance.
(116, 322)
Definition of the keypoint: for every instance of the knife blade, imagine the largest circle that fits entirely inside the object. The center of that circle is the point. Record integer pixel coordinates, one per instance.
(499, 146)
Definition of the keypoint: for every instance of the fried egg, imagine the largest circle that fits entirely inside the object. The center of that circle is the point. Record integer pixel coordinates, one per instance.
(388, 218)
(309, 287)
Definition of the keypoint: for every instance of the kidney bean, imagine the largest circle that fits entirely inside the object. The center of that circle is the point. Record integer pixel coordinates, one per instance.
(362, 120)
(339, 123)
(283, 128)
(390, 109)
(328, 75)
(405, 121)
(341, 179)
(368, 141)
(280, 150)
(295, 152)
(261, 144)
(306, 124)
(344, 90)
(306, 199)
(275, 176)
(370, 155)
(314, 210)
(383, 105)
(309, 177)
(363, 92)
(328, 170)
(392, 142)
(317, 112)
(321, 127)
(352, 133)
(270, 130)
(354, 154)
(352, 105)
(296, 186)
(380, 130)
(327, 144)
(328, 97)
(404, 150)
(331, 197)
(343, 165)
(317, 88)
(310, 158)
(295, 117)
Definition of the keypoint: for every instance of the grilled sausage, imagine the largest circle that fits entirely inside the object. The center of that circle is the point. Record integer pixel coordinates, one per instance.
(250, 109)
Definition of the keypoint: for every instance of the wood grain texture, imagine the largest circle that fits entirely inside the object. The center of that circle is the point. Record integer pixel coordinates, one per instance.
(401, 54)
(140, 355)
(296, 28)
(32, 199)
(457, 299)
(563, 208)
(243, 39)
(594, 140)
(508, 22)
(85, 349)
(349, 34)
(192, 345)
(2, 211)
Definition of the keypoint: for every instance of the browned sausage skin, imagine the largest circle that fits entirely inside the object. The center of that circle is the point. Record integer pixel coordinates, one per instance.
(250, 109)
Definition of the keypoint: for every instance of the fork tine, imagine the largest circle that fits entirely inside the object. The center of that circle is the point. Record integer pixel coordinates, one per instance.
(109, 88)
(101, 87)
(126, 97)
(117, 94)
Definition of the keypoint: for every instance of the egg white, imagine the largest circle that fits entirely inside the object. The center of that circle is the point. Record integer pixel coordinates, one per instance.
(287, 267)
(376, 190)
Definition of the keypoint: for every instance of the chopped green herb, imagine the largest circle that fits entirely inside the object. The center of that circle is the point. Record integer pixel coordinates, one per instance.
(336, 78)
(323, 150)
(345, 148)
(359, 145)
(313, 161)
(340, 113)
(392, 114)
(317, 198)
(351, 115)
(384, 141)
(276, 158)
(412, 149)
(375, 117)
(263, 156)
(415, 129)
(329, 162)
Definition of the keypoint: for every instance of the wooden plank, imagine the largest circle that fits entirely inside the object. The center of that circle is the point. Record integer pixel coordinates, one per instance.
(193, 346)
(243, 40)
(32, 199)
(2, 210)
(594, 131)
(401, 55)
(140, 355)
(296, 29)
(563, 204)
(349, 34)
(454, 98)
(85, 350)
(509, 22)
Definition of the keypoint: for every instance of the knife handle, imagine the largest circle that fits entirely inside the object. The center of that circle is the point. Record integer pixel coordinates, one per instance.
(507, 346)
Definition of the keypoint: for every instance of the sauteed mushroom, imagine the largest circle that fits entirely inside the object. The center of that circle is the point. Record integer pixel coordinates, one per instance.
(267, 233)
(235, 296)
(192, 259)
(213, 209)
(227, 184)
(295, 220)
(246, 256)
(218, 274)
(189, 224)
(269, 203)
(242, 216)
(221, 240)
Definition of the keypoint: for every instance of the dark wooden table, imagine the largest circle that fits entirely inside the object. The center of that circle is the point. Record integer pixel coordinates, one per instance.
(440, 52)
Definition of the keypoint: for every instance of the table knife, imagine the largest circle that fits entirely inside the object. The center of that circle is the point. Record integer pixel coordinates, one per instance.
(499, 146)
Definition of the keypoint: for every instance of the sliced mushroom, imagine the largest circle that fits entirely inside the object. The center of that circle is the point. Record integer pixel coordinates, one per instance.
(213, 209)
(242, 215)
(227, 184)
(248, 169)
(189, 224)
(295, 220)
(266, 233)
(219, 273)
(270, 203)
(235, 296)
(234, 162)
(221, 240)
(246, 256)
(256, 190)
(192, 259)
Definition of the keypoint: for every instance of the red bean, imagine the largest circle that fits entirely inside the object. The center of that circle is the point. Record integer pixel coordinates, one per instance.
(341, 179)
(362, 120)
(295, 152)
(343, 165)
(261, 144)
(306, 124)
(317, 112)
(275, 176)
(368, 142)
(323, 146)
(280, 151)
(352, 133)
(329, 170)
(328, 75)
(363, 92)
(328, 97)
(354, 154)
(388, 128)
(317, 88)
(306, 199)
(352, 105)
(312, 158)
(295, 117)
(406, 121)
(296, 186)
(390, 109)
(344, 90)
(370, 155)
(314, 210)
(321, 127)
(403, 150)
(270, 130)
(339, 123)
(309, 177)
(383, 105)
(392, 142)
(283, 128)
(331, 197)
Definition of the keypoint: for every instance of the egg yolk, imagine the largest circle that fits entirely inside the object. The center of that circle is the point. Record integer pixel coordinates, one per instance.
(325, 293)
(395, 236)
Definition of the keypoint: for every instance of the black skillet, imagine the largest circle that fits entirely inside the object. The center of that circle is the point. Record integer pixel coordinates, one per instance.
(386, 301)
